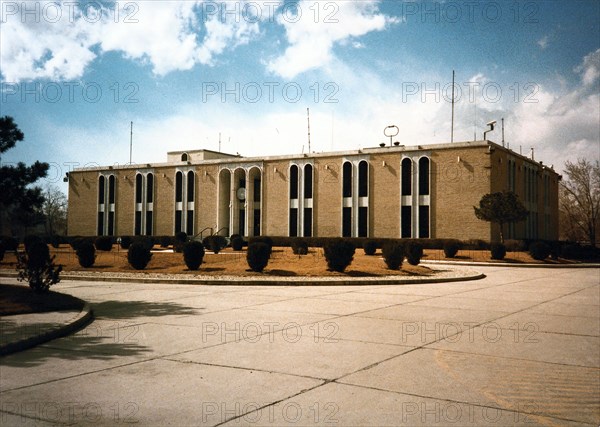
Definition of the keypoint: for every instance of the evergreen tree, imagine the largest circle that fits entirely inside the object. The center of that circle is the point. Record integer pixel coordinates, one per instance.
(17, 196)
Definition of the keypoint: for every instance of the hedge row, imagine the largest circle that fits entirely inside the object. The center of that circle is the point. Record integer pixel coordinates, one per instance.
(300, 245)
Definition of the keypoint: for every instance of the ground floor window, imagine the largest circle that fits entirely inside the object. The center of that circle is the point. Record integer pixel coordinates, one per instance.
(406, 221)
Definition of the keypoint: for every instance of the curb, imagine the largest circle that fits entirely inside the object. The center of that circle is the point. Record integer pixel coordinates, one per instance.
(291, 281)
(500, 264)
(85, 316)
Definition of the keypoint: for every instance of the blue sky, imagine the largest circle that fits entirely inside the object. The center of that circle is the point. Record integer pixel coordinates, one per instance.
(75, 75)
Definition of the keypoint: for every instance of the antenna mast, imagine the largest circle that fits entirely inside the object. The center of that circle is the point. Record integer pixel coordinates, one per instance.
(308, 123)
(475, 122)
(503, 131)
(130, 141)
(219, 142)
(452, 130)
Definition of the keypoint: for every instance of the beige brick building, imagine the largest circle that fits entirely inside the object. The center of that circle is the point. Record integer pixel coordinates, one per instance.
(394, 191)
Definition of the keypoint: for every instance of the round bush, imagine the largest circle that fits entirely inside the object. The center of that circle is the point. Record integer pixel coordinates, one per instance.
(104, 243)
(513, 245)
(498, 251)
(38, 254)
(572, 251)
(539, 250)
(86, 254)
(263, 239)
(339, 254)
(299, 247)
(126, 242)
(138, 255)
(166, 241)
(370, 247)
(193, 254)
(237, 243)
(179, 240)
(215, 243)
(414, 252)
(54, 240)
(37, 268)
(451, 248)
(10, 243)
(147, 241)
(31, 239)
(393, 255)
(258, 256)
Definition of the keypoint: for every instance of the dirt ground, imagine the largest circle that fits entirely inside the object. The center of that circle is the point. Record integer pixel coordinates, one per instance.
(282, 263)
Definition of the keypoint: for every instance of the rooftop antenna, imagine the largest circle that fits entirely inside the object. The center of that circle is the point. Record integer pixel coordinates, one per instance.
(503, 131)
(331, 130)
(308, 123)
(475, 122)
(452, 127)
(130, 141)
(219, 142)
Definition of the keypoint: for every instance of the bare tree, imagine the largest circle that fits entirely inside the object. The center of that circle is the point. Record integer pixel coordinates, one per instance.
(54, 209)
(580, 200)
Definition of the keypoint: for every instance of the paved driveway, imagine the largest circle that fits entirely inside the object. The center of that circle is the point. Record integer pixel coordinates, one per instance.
(519, 347)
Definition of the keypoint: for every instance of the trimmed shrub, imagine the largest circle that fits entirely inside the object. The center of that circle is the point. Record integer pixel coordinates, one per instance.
(165, 241)
(515, 245)
(74, 241)
(126, 242)
(179, 240)
(139, 255)
(370, 247)
(571, 251)
(104, 243)
(498, 251)
(299, 247)
(539, 250)
(414, 252)
(476, 245)
(193, 254)
(147, 241)
(339, 254)
(86, 254)
(451, 248)
(37, 267)
(236, 241)
(258, 256)
(10, 243)
(554, 249)
(79, 240)
(54, 240)
(30, 239)
(215, 243)
(2, 250)
(266, 240)
(393, 255)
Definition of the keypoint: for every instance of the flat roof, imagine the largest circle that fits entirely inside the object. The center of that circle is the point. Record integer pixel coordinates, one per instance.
(228, 158)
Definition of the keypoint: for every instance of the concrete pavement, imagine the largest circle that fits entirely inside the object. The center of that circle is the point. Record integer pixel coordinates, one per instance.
(521, 346)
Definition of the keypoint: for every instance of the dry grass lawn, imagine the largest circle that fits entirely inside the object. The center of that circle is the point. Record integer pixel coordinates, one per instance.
(282, 263)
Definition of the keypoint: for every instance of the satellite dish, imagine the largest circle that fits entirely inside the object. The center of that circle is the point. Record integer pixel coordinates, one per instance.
(241, 193)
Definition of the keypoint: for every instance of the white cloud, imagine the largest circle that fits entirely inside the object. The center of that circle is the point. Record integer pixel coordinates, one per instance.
(590, 68)
(165, 34)
(311, 38)
(543, 42)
